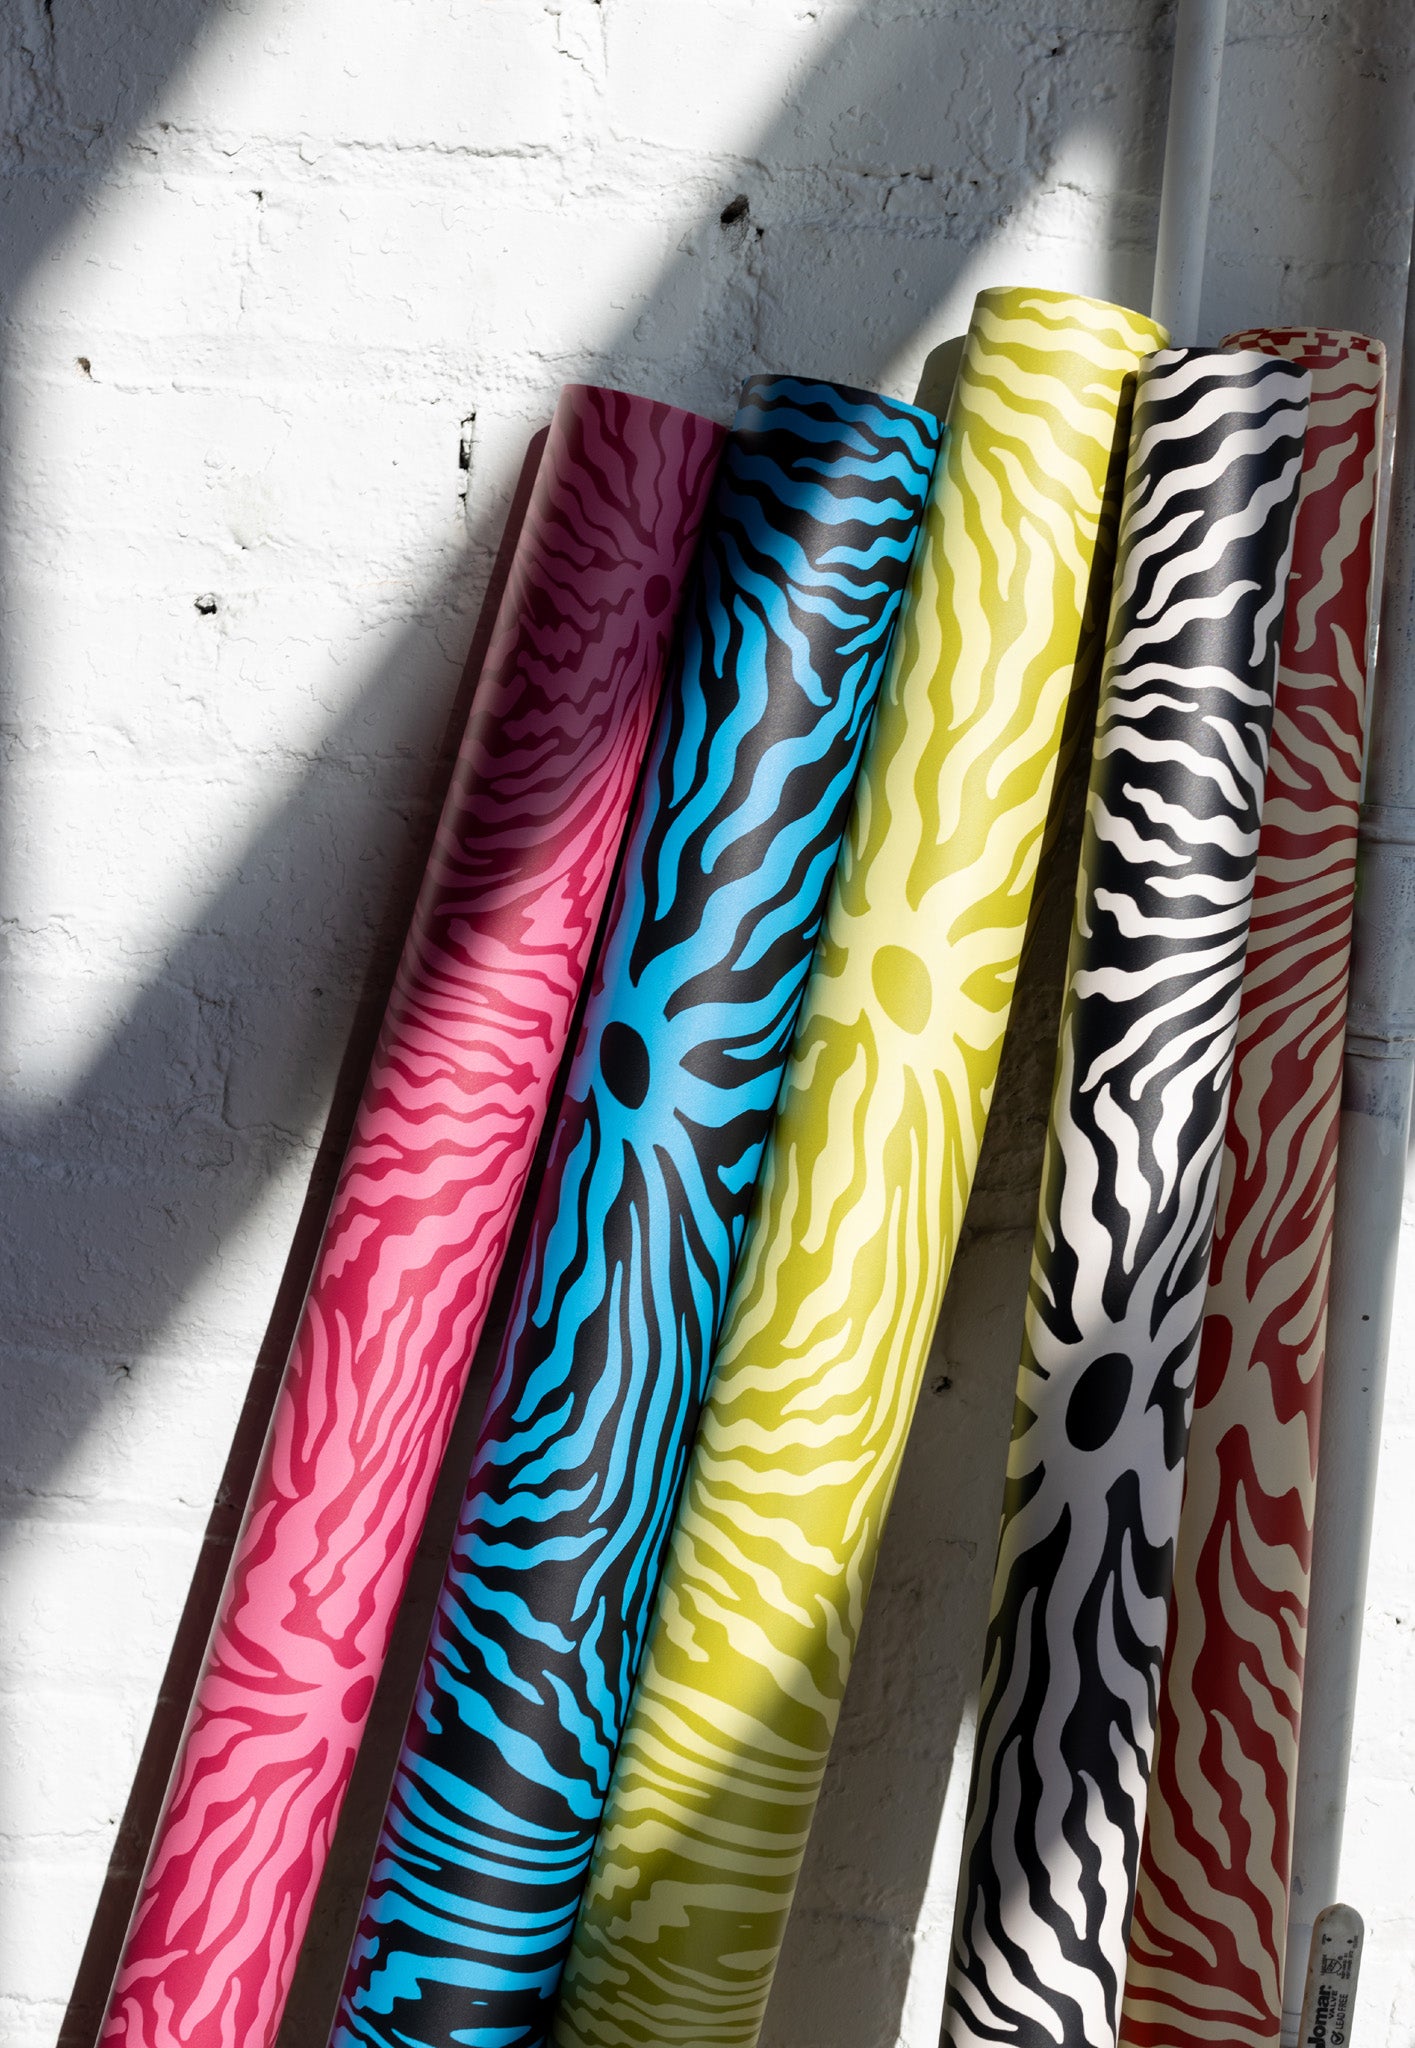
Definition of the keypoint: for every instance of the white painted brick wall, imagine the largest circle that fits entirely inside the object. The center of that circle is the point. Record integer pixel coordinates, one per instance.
(259, 259)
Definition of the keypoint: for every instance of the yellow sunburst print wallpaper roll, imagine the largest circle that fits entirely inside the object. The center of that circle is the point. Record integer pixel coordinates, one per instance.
(862, 1197)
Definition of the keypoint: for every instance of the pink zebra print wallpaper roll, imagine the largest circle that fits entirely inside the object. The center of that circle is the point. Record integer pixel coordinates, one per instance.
(1207, 1941)
(455, 1099)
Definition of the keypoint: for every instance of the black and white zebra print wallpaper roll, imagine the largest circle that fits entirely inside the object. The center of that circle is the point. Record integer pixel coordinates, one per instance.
(1076, 1631)
(669, 1101)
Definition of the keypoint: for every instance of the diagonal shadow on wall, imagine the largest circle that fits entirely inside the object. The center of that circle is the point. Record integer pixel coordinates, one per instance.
(879, 76)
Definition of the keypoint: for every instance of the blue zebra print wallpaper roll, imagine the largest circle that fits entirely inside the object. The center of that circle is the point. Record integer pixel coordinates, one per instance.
(1075, 1638)
(506, 1762)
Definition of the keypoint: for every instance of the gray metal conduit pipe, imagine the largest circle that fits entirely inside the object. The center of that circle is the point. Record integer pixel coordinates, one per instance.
(1375, 1136)
(1188, 166)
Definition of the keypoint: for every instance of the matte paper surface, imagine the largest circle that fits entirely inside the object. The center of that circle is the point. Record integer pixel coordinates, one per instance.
(1130, 1177)
(862, 1197)
(729, 862)
(456, 1095)
(1208, 1938)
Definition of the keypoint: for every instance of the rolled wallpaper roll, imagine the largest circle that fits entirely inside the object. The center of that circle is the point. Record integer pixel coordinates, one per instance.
(1076, 1630)
(1208, 1937)
(476, 1025)
(858, 1212)
(539, 1628)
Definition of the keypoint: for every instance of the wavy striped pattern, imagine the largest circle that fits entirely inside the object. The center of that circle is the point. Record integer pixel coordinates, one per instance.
(1130, 1177)
(1207, 1941)
(861, 1199)
(478, 1020)
(541, 1622)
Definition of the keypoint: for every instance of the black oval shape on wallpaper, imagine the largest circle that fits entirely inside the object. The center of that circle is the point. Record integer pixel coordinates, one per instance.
(1098, 1401)
(624, 1061)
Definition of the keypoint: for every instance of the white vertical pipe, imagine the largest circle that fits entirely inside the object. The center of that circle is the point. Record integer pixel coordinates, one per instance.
(1375, 1134)
(1188, 166)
